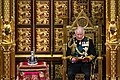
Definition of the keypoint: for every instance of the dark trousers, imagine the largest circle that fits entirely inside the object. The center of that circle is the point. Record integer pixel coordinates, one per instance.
(77, 68)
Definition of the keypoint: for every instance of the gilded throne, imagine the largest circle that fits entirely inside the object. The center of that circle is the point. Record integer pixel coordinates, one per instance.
(91, 32)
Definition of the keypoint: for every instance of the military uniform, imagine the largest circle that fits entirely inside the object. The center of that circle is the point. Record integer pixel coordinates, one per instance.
(84, 49)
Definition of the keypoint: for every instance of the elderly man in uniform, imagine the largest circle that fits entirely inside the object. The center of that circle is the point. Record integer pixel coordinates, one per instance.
(81, 52)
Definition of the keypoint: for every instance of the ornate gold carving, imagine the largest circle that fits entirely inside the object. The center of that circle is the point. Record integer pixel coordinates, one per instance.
(7, 31)
(7, 65)
(83, 21)
(0, 7)
(42, 16)
(6, 35)
(13, 9)
(58, 35)
(113, 31)
(24, 39)
(113, 51)
(43, 39)
(24, 12)
(7, 49)
(76, 22)
(60, 10)
(7, 44)
(6, 10)
(75, 8)
(79, 5)
(97, 11)
(111, 47)
(106, 9)
(107, 77)
(58, 71)
(119, 9)
(113, 10)
(81, 77)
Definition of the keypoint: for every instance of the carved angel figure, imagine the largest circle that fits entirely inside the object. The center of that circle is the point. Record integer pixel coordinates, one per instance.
(113, 31)
(6, 32)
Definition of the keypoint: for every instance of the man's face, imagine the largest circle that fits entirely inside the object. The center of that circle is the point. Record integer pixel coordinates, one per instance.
(79, 34)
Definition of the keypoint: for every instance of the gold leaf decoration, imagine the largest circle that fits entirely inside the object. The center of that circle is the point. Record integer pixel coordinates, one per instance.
(42, 16)
(24, 39)
(24, 12)
(97, 11)
(79, 5)
(60, 11)
(58, 35)
(42, 39)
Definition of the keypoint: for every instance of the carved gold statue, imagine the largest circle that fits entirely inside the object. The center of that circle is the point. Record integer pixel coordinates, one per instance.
(7, 28)
(6, 33)
(113, 31)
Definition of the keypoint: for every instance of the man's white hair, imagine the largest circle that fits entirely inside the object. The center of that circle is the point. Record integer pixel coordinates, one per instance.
(80, 28)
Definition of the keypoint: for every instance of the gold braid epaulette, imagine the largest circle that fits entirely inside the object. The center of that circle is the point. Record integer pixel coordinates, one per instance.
(72, 45)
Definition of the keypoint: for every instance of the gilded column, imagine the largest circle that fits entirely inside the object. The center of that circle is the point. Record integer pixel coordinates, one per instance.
(113, 51)
(107, 63)
(107, 38)
(112, 10)
(70, 7)
(113, 62)
(6, 8)
(12, 55)
(0, 7)
(8, 37)
(8, 45)
(112, 43)
(12, 65)
(5, 51)
(6, 62)
(118, 56)
(1, 70)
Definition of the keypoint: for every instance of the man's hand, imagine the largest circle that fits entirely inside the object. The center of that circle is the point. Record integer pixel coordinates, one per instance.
(74, 59)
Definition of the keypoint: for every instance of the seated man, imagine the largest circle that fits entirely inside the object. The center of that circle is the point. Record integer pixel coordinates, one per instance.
(81, 52)
(32, 59)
